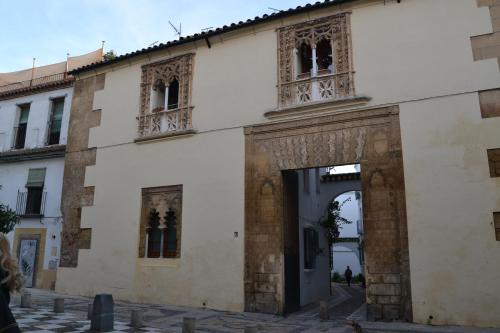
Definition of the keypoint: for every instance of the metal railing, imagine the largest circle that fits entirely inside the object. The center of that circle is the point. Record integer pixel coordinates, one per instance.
(34, 82)
(316, 88)
(165, 121)
(31, 202)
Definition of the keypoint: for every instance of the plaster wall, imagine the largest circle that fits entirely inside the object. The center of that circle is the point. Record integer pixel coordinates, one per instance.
(40, 108)
(314, 283)
(210, 268)
(450, 199)
(345, 256)
(13, 177)
(400, 57)
(234, 81)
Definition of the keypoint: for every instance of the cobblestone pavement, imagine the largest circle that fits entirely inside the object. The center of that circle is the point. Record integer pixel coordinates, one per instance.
(159, 318)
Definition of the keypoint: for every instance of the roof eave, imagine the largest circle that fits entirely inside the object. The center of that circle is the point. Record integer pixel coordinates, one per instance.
(211, 33)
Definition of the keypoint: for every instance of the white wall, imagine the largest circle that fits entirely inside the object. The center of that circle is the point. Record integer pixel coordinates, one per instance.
(416, 54)
(314, 283)
(344, 256)
(450, 203)
(40, 108)
(13, 177)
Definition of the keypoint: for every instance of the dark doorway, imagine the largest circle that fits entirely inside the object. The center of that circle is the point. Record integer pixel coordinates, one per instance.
(370, 137)
(291, 241)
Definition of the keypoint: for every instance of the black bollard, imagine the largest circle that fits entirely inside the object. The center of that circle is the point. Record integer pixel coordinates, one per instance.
(102, 313)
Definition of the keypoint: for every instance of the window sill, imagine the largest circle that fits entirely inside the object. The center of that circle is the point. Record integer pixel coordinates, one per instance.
(318, 107)
(26, 154)
(166, 136)
(31, 216)
(159, 262)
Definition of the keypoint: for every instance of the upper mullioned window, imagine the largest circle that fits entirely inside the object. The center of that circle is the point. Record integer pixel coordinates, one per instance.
(166, 97)
(315, 61)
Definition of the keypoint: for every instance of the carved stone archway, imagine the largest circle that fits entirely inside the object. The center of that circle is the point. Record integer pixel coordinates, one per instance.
(369, 137)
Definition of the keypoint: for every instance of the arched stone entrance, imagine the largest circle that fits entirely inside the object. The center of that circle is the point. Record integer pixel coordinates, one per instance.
(369, 137)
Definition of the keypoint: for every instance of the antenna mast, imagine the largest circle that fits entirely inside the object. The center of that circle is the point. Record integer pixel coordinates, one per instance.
(178, 31)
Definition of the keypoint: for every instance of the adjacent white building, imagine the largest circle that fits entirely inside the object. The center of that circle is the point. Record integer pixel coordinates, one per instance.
(34, 114)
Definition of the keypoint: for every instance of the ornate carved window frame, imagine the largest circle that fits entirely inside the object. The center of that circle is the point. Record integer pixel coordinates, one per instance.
(153, 122)
(295, 91)
(162, 200)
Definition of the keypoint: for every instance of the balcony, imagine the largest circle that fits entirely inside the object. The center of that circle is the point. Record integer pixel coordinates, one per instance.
(31, 203)
(320, 88)
(41, 82)
(163, 122)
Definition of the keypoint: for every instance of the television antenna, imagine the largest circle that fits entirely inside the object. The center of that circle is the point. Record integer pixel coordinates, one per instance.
(178, 31)
(274, 9)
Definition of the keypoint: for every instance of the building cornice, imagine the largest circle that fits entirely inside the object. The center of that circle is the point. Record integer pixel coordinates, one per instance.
(26, 91)
(20, 155)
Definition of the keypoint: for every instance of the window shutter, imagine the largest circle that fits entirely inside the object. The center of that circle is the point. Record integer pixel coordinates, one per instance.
(23, 117)
(36, 177)
(57, 112)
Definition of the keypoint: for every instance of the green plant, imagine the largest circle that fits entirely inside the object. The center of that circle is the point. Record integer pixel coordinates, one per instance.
(358, 278)
(110, 55)
(337, 278)
(8, 219)
(333, 222)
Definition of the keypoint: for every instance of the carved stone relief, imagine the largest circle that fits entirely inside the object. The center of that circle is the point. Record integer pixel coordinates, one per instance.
(179, 119)
(369, 137)
(334, 29)
(162, 200)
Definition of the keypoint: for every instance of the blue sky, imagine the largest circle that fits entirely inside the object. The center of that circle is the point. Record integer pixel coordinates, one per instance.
(49, 29)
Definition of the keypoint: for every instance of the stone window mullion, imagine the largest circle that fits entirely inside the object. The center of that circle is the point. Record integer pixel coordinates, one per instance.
(166, 120)
(335, 80)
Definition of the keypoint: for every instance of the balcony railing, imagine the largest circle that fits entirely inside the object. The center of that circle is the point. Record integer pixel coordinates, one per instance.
(34, 83)
(315, 89)
(165, 121)
(31, 203)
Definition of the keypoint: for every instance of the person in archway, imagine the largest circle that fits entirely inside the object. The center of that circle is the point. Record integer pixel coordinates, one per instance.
(11, 280)
(348, 276)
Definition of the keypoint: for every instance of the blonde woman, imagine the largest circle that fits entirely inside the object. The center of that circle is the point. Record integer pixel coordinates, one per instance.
(10, 281)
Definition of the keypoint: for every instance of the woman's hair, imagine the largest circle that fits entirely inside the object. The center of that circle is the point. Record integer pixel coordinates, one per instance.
(13, 279)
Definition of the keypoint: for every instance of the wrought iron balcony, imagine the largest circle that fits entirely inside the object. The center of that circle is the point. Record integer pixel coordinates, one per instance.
(165, 121)
(31, 203)
(34, 83)
(316, 89)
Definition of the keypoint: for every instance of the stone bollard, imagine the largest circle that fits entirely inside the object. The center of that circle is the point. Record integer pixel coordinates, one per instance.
(89, 311)
(188, 325)
(26, 300)
(102, 313)
(251, 329)
(323, 310)
(136, 319)
(59, 305)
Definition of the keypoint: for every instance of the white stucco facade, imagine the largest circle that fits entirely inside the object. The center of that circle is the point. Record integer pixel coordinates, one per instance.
(14, 172)
(415, 54)
(314, 282)
(343, 255)
(40, 107)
